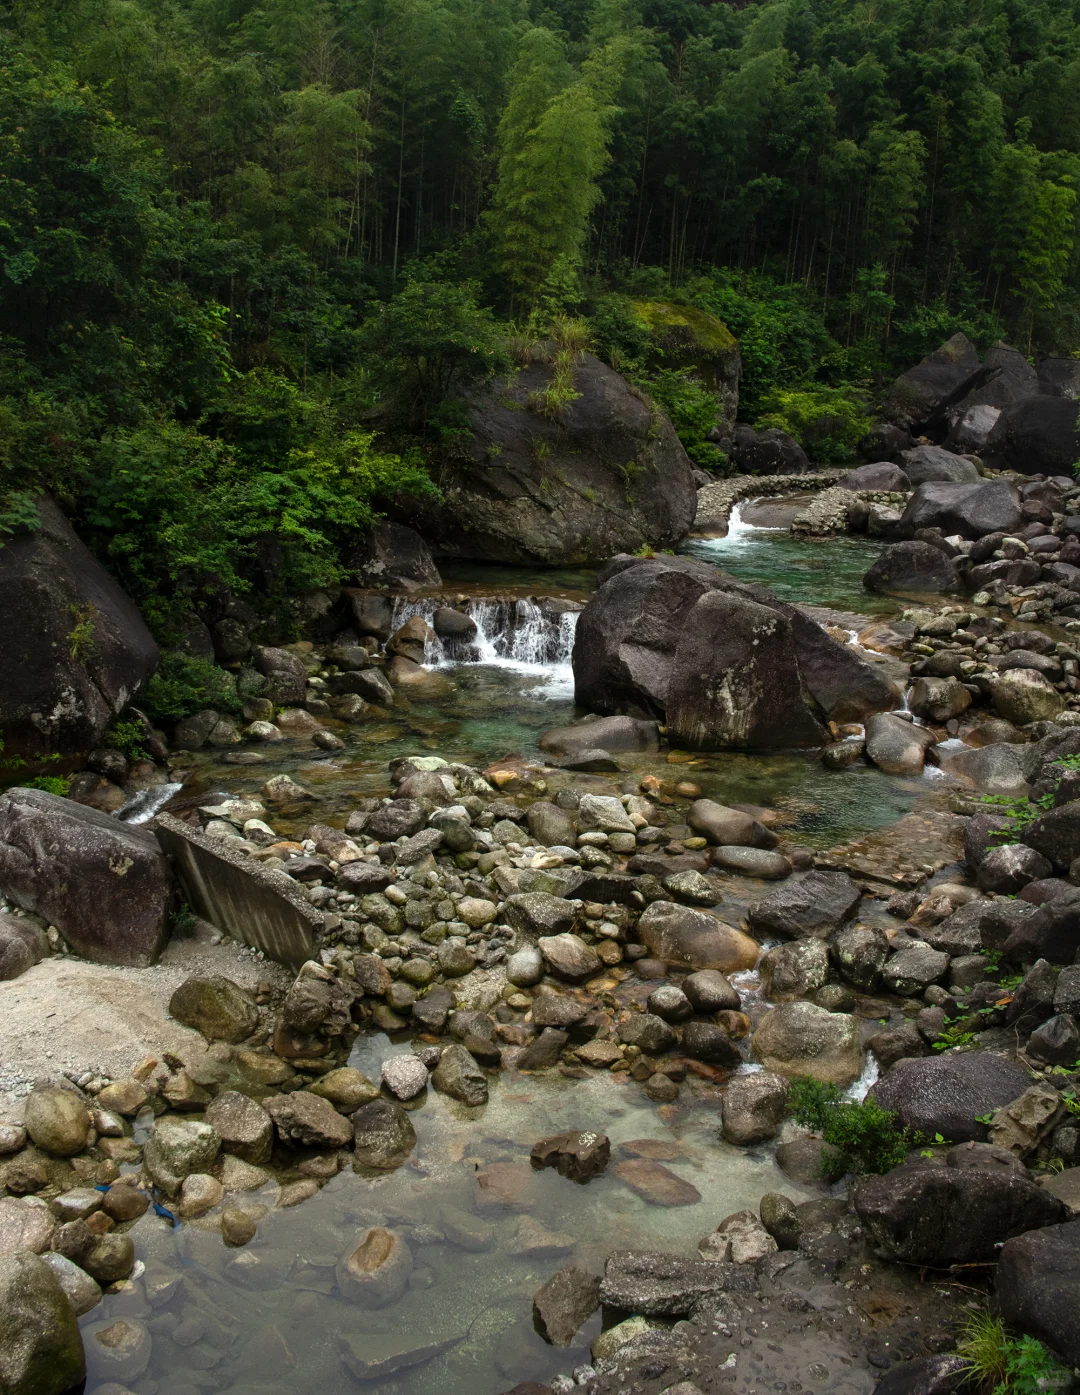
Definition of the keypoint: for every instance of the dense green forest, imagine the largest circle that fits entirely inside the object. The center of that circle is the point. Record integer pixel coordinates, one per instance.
(252, 251)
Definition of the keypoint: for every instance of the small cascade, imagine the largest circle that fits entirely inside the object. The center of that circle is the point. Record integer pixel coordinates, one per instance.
(521, 634)
(739, 532)
(142, 807)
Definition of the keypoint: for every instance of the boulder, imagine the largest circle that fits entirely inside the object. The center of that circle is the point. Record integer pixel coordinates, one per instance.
(564, 1303)
(551, 826)
(1051, 931)
(1055, 838)
(794, 970)
(859, 953)
(754, 1107)
(626, 636)
(569, 957)
(769, 452)
(578, 1156)
(705, 1041)
(605, 474)
(81, 1291)
(216, 1007)
(243, 1125)
(709, 991)
(383, 1133)
(932, 465)
(916, 393)
(695, 939)
(895, 746)
(800, 1038)
(654, 1284)
(1037, 436)
(735, 681)
(459, 1076)
(308, 1121)
(76, 649)
(912, 968)
(1022, 695)
(41, 1349)
(947, 1094)
(1037, 1286)
(938, 699)
(376, 1271)
(946, 1215)
(971, 509)
(105, 885)
(22, 945)
(26, 1223)
(997, 768)
(392, 555)
(1008, 869)
(879, 476)
(814, 906)
(688, 339)
(647, 1031)
(719, 824)
(57, 1121)
(912, 567)
(607, 733)
(176, 1148)
(540, 913)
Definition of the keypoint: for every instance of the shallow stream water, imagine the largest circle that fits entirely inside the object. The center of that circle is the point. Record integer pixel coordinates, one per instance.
(267, 1320)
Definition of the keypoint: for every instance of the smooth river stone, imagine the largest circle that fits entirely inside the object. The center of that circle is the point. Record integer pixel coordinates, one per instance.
(655, 1183)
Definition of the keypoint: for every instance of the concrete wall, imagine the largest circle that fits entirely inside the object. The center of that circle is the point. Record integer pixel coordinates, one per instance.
(253, 904)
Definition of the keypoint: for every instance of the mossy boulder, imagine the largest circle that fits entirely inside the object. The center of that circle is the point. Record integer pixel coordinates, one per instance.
(685, 337)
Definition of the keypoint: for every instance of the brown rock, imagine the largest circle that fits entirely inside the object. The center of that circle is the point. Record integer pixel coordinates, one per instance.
(656, 1183)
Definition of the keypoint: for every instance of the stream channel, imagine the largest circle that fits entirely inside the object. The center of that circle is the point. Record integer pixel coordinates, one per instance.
(266, 1319)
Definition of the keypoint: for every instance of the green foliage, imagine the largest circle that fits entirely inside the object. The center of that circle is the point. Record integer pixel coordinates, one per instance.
(827, 422)
(128, 738)
(954, 1035)
(18, 514)
(184, 685)
(693, 410)
(999, 1364)
(431, 340)
(51, 784)
(869, 1136)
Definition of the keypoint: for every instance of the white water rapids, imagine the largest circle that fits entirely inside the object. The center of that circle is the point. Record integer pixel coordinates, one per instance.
(518, 635)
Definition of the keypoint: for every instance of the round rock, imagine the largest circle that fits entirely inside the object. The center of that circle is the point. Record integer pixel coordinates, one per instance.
(404, 1076)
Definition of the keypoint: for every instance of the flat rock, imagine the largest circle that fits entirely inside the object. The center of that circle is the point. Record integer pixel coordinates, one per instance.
(655, 1183)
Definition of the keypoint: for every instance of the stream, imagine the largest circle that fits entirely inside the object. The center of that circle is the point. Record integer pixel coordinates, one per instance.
(266, 1319)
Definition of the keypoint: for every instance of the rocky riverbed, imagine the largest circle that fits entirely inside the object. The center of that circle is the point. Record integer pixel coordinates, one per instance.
(658, 981)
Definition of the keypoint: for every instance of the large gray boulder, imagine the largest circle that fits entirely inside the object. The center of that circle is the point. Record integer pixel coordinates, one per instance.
(881, 475)
(105, 885)
(392, 555)
(968, 416)
(917, 392)
(605, 474)
(970, 509)
(76, 650)
(41, 1349)
(814, 906)
(769, 452)
(931, 464)
(1037, 436)
(736, 682)
(800, 1038)
(951, 1215)
(949, 1094)
(912, 567)
(1037, 1286)
(723, 663)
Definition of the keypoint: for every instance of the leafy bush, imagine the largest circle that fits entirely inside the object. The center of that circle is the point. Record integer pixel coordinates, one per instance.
(51, 784)
(827, 422)
(184, 685)
(870, 1137)
(693, 410)
(999, 1364)
(128, 738)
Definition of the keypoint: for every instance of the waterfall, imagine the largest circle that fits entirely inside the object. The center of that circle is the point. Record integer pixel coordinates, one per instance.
(524, 635)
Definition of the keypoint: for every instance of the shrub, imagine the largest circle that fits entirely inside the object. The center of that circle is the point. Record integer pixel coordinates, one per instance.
(51, 784)
(693, 411)
(1002, 1365)
(827, 422)
(128, 738)
(871, 1137)
(183, 685)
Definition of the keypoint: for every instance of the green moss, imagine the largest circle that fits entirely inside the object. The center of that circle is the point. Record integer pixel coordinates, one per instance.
(685, 327)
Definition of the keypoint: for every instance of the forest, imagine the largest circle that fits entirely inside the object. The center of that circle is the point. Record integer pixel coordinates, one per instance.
(253, 254)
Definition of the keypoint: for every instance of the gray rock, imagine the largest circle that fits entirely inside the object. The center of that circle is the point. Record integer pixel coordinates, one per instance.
(400, 818)
(525, 967)
(932, 465)
(22, 945)
(57, 1121)
(538, 913)
(814, 906)
(751, 862)
(404, 1076)
(946, 1094)
(551, 826)
(994, 769)
(803, 1039)
(914, 567)
(1021, 695)
(896, 746)
(705, 1041)
(562, 1305)
(649, 1032)
(1008, 869)
(544, 1052)
(859, 953)
(916, 393)
(41, 1350)
(459, 1076)
(719, 824)
(608, 733)
(945, 1215)
(216, 1007)
(880, 477)
(1037, 1286)
(913, 968)
(376, 1271)
(794, 970)
(569, 957)
(383, 1133)
(81, 1291)
(111, 904)
(670, 1003)
(695, 939)
(308, 1121)
(709, 991)
(654, 1284)
(754, 1107)
(927, 1375)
